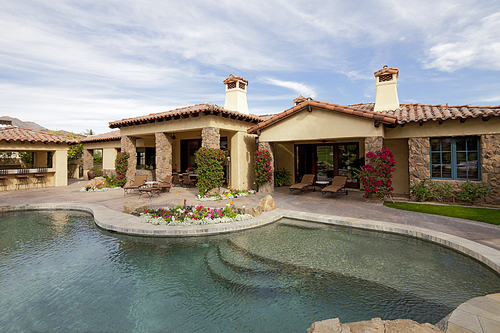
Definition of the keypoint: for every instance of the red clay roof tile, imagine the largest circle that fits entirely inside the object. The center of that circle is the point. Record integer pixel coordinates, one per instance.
(16, 134)
(109, 136)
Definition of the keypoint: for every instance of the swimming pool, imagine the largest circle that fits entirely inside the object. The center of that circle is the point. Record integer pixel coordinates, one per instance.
(60, 273)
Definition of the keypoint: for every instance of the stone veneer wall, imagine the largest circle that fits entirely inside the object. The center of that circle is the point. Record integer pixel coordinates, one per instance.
(267, 187)
(373, 143)
(490, 166)
(88, 161)
(128, 145)
(163, 156)
(420, 165)
(210, 137)
(419, 159)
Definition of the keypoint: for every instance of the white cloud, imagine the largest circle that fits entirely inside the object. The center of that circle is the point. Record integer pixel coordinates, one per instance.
(299, 88)
(477, 46)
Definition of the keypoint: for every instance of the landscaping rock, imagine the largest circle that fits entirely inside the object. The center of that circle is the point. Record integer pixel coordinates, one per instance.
(267, 204)
(376, 325)
(139, 206)
(254, 211)
(96, 181)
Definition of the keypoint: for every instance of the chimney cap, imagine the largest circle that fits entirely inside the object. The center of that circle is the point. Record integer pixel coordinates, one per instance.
(387, 70)
(232, 78)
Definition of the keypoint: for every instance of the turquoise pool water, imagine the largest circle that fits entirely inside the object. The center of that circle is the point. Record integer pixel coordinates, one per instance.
(59, 273)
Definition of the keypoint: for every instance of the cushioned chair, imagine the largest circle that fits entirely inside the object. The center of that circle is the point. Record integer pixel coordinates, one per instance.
(307, 180)
(138, 182)
(164, 186)
(337, 186)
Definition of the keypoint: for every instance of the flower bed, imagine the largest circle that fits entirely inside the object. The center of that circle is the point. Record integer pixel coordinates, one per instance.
(98, 185)
(226, 195)
(193, 215)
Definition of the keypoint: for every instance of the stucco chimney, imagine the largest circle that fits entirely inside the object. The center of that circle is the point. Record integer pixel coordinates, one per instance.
(236, 94)
(387, 92)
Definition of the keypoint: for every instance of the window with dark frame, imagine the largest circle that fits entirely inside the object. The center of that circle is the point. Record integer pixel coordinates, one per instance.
(455, 158)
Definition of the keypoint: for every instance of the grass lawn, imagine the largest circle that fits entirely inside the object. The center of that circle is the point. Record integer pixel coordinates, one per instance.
(471, 213)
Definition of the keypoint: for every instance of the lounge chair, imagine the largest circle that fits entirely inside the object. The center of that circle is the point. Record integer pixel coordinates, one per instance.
(307, 180)
(338, 186)
(139, 181)
(166, 185)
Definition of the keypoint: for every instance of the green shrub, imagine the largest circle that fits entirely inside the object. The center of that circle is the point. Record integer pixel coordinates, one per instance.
(210, 170)
(432, 191)
(421, 191)
(472, 192)
(282, 177)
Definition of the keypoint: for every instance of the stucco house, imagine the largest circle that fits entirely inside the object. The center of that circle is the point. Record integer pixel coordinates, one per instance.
(50, 151)
(451, 143)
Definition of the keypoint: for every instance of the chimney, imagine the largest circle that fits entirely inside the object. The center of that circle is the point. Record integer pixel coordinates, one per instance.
(387, 93)
(236, 94)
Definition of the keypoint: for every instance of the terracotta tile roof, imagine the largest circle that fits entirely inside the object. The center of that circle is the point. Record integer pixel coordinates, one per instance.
(186, 112)
(308, 104)
(387, 70)
(109, 136)
(232, 78)
(16, 134)
(420, 113)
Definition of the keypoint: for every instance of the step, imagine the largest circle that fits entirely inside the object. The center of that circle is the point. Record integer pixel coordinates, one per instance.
(240, 261)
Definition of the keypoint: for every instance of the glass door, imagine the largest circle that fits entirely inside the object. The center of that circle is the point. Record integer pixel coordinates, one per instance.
(325, 163)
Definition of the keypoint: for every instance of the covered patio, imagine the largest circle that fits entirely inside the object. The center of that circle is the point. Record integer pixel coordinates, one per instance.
(49, 166)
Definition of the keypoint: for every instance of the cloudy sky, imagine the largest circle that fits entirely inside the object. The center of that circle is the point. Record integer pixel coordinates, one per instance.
(77, 65)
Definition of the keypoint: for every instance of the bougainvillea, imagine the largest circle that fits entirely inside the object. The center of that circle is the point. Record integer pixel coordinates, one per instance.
(377, 176)
(121, 165)
(210, 170)
(262, 169)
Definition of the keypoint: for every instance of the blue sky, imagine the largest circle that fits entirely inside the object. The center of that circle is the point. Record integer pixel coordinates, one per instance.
(77, 65)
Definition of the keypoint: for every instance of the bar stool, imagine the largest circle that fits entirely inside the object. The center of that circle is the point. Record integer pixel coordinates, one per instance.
(22, 178)
(41, 177)
(4, 176)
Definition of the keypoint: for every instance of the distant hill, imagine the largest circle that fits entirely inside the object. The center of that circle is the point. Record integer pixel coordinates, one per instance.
(24, 124)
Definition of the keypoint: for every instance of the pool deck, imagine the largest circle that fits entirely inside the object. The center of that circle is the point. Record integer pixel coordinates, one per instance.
(480, 240)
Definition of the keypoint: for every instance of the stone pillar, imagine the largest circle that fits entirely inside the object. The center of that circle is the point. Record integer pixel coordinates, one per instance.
(373, 144)
(267, 187)
(419, 159)
(210, 137)
(163, 155)
(490, 166)
(128, 145)
(88, 162)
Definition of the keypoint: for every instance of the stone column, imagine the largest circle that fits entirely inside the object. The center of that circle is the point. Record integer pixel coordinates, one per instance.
(490, 166)
(128, 145)
(419, 159)
(163, 155)
(210, 137)
(267, 187)
(88, 161)
(373, 144)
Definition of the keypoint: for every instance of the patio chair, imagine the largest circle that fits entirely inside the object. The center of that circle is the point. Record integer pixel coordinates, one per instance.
(307, 180)
(4, 177)
(338, 186)
(176, 180)
(166, 185)
(139, 181)
(186, 180)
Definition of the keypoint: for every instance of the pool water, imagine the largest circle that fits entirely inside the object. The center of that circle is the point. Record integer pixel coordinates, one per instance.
(59, 273)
